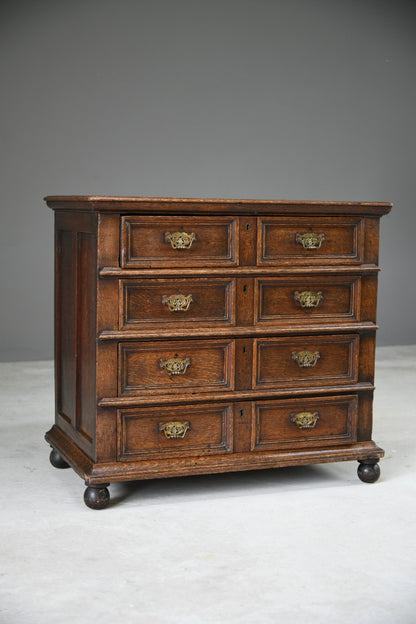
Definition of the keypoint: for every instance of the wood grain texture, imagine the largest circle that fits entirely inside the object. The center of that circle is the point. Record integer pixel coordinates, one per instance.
(342, 240)
(273, 426)
(145, 303)
(104, 472)
(140, 435)
(277, 299)
(146, 243)
(275, 364)
(223, 303)
(181, 205)
(210, 366)
(271, 391)
(75, 309)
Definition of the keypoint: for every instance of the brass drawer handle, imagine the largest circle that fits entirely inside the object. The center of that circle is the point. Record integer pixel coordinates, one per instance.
(180, 240)
(175, 365)
(310, 240)
(174, 429)
(308, 298)
(305, 420)
(177, 303)
(306, 358)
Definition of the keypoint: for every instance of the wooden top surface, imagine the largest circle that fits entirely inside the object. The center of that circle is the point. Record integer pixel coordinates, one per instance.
(182, 205)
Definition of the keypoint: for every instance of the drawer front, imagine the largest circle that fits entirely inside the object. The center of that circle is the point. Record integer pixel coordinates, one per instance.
(305, 361)
(177, 302)
(305, 422)
(177, 431)
(310, 241)
(176, 367)
(307, 299)
(178, 241)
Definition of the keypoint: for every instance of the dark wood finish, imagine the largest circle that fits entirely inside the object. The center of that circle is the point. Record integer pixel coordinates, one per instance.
(270, 392)
(368, 470)
(75, 305)
(273, 426)
(145, 244)
(181, 205)
(209, 366)
(140, 435)
(278, 299)
(124, 412)
(143, 302)
(57, 460)
(95, 473)
(275, 365)
(97, 496)
(341, 244)
(204, 331)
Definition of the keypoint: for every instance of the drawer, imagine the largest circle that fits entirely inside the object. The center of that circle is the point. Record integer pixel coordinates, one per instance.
(307, 299)
(305, 361)
(304, 422)
(177, 431)
(316, 240)
(178, 241)
(176, 366)
(177, 302)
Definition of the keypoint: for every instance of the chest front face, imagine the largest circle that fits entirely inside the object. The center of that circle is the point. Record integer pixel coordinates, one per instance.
(207, 337)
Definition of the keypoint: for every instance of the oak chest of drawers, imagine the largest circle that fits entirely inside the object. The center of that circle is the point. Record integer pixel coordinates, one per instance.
(203, 336)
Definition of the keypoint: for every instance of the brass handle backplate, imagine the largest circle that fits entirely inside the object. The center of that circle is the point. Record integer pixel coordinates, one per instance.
(310, 240)
(305, 420)
(175, 365)
(305, 359)
(174, 429)
(180, 240)
(308, 298)
(177, 303)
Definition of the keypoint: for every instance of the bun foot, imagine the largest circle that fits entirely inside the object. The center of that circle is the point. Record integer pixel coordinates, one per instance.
(368, 470)
(57, 460)
(97, 496)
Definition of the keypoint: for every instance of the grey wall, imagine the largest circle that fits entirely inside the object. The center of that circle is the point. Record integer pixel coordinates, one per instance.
(297, 99)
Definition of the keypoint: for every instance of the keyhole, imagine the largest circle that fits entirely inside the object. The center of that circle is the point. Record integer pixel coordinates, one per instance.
(241, 413)
(245, 288)
(244, 349)
(247, 226)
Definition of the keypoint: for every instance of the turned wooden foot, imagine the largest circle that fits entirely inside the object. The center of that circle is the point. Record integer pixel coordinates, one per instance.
(97, 496)
(57, 460)
(368, 470)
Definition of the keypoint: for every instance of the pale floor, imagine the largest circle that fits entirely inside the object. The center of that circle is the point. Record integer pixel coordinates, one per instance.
(306, 544)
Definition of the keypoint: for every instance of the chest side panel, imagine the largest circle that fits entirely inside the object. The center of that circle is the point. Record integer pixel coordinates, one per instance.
(75, 315)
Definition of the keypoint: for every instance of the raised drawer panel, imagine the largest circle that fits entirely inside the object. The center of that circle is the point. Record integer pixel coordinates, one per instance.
(307, 299)
(305, 361)
(167, 432)
(178, 302)
(305, 422)
(307, 241)
(175, 366)
(178, 241)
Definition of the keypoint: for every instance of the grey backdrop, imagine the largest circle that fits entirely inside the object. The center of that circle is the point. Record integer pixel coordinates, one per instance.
(296, 99)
